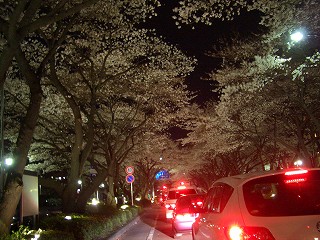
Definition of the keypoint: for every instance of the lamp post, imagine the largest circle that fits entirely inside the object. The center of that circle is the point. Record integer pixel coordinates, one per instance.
(1, 178)
(1, 142)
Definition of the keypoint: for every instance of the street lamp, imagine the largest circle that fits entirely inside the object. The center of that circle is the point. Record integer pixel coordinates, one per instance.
(8, 161)
(80, 183)
(296, 36)
(4, 164)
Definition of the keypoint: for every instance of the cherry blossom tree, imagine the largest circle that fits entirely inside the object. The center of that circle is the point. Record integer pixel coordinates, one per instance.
(21, 21)
(112, 94)
(267, 99)
(25, 28)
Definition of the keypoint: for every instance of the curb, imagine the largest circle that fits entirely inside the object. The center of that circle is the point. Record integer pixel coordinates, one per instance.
(121, 231)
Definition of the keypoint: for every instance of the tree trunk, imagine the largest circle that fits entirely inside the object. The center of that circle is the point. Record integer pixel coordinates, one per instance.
(13, 187)
(110, 196)
(69, 198)
(87, 192)
(9, 202)
(111, 176)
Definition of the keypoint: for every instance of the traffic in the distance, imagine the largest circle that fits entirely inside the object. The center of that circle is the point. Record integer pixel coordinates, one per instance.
(271, 205)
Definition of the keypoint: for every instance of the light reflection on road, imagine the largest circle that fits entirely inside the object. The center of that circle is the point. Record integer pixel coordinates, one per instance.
(152, 226)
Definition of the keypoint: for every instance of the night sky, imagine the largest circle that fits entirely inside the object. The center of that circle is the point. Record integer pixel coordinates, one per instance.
(196, 42)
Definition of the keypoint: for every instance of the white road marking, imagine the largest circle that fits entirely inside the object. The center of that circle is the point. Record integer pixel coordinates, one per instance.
(150, 235)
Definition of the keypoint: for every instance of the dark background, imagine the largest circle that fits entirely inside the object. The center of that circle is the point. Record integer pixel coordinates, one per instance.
(196, 42)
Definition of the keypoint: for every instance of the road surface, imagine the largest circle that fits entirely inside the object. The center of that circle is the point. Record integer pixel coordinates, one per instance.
(151, 226)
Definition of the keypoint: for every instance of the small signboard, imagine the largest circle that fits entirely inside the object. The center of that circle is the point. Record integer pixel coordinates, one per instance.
(129, 170)
(163, 174)
(30, 194)
(130, 178)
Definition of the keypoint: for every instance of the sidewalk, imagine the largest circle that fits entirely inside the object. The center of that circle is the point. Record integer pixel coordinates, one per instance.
(122, 230)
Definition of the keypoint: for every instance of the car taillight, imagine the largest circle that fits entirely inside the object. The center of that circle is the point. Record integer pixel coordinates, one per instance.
(296, 172)
(186, 216)
(295, 180)
(296, 176)
(170, 206)
(248, 233)
(197, 203)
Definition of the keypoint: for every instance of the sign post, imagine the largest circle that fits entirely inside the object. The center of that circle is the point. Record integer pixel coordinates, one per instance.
(130, 179)
(131, 189)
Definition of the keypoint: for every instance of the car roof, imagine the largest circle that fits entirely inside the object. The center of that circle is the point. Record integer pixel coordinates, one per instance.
(240, 179)
(193, 195)
(177, 188)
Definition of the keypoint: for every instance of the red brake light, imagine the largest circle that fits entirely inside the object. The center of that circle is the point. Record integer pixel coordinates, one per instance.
(170, 206)
(295, 172)
(248, 233)
(296, 180)
(235, 233)
(186, 217)
(296, 176)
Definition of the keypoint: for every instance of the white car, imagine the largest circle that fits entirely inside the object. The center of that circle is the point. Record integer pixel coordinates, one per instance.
(273, 205)
(173, 195)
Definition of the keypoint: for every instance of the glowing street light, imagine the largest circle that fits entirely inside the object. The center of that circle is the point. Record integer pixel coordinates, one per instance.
(80, 183)
(4, 164)
(8, 161)
(296, 36)
(298, 163)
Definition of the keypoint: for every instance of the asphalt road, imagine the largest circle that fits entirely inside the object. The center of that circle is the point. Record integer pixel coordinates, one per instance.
(151, 225)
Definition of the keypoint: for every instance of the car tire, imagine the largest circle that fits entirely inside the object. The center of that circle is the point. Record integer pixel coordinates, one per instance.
(193, 238)
(174, 234)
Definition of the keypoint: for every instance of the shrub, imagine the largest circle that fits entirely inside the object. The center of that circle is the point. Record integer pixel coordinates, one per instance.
(86, 227)
(56, 235)
(145, 203)
(23, 233)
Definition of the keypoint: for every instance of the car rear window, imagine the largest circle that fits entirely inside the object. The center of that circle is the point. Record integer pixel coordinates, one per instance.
(174, 194)
(281, 195)
(189, 202)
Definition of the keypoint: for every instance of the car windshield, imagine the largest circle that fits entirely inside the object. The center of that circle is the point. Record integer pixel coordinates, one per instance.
(174, 194)
(280, 195)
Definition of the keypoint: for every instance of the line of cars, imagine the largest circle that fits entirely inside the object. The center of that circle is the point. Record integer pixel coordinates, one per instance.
(272, 205)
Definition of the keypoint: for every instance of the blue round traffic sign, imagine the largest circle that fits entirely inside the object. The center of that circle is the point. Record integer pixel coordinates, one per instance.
(130, 178)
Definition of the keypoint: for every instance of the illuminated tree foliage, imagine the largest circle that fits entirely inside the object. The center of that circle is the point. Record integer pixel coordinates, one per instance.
(268, 84)
(32, 32)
